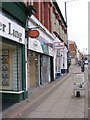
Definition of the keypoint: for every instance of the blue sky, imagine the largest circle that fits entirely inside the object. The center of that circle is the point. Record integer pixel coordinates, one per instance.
(77, 21)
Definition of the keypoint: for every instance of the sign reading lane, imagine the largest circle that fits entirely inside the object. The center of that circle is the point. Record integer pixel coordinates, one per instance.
(11, 30)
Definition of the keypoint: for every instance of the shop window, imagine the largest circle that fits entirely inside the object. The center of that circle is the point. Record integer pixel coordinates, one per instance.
(5, 67)
(45, 69)
(10, 58)
(31, 53)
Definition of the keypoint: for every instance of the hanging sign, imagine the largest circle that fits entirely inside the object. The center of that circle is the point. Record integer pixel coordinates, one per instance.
(33, 33)
(59, 45)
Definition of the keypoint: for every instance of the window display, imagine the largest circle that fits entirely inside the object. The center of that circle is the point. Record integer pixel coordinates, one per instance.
(45, 69)
(11, 65)
(5, 67)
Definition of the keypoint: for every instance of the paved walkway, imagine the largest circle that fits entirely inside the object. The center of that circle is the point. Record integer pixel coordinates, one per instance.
(53, 101)
(61, 103)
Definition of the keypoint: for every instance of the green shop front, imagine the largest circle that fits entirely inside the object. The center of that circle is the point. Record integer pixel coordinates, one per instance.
(12, 60)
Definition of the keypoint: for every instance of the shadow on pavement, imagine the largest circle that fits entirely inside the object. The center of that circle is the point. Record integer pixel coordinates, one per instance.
(6, 105)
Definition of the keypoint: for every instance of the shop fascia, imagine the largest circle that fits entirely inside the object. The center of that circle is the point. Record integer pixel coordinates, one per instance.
(11, 30)
(58, 46)
(45, 38)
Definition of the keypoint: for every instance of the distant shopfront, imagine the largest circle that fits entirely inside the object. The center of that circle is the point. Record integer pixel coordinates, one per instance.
(59, 63)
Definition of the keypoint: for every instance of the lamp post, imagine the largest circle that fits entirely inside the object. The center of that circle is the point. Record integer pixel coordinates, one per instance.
(67, 32)
(66, 37)
(88, 61)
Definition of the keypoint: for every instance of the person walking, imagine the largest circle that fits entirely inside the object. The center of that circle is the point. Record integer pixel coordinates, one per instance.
(82, 65)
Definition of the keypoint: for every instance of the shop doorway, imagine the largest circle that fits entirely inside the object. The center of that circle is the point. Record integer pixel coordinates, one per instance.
(32, 69)
(44, 69)
(52, 69)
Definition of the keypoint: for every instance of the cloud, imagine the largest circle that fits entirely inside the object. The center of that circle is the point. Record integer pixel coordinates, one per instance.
(77, 21)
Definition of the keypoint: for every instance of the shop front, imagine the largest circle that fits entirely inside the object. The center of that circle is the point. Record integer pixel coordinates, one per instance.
(40, 55)
(39, 64)
(12, 59)
(65, 59)
(62, 62)
(59, 55)
(58, 64)
(33, 66)
(45, 66)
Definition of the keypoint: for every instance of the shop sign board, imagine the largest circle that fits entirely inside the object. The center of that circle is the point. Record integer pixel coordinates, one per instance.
(33, 33)
(59, 45)
(35, 45)
(11, 30)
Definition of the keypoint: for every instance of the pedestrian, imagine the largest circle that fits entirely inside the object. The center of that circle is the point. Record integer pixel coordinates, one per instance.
(82, 65)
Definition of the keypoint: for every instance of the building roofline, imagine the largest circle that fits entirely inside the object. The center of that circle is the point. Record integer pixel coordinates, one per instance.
(59, 11)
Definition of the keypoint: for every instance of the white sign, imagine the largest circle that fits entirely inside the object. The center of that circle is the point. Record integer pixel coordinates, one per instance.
(79, 78)
(11, 30)
(35, 45)
(59, 45)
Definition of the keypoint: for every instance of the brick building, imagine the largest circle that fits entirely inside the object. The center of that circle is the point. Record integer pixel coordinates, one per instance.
(49, 14)
(50, 17)
(73, 52)
(72, 49)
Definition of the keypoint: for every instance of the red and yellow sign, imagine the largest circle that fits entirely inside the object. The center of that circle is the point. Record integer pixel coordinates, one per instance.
(33, 33)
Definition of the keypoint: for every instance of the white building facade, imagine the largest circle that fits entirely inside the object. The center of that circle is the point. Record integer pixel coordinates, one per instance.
(40, 56)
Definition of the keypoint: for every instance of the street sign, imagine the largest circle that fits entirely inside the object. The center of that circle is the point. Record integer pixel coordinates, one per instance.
(59, 45)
